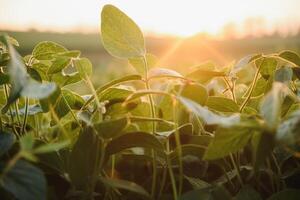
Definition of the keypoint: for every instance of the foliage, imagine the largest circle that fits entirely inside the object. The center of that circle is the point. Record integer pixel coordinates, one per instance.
(157, 134)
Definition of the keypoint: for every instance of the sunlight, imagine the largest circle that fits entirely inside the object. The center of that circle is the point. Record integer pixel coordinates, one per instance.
(181, 18)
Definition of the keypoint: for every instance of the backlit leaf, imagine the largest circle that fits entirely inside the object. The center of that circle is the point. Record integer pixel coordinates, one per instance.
(120, 35)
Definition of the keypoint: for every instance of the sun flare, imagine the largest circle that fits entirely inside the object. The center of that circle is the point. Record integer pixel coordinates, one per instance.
(181, 18)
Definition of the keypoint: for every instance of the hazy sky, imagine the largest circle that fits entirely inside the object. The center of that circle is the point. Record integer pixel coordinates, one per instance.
(180, 17)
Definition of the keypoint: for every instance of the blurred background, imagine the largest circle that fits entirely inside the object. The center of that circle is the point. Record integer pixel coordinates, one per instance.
(180, 33)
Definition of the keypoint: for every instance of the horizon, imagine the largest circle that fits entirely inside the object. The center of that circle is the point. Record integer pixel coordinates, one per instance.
(230, 19)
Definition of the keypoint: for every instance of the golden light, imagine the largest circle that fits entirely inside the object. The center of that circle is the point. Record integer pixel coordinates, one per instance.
(175, 17)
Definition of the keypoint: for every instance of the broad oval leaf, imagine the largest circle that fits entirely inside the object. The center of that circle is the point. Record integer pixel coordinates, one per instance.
(46, 50)
(6, 141)
(290, 56)
(120, 35)
(84, 159)
(126, 185)
(207, 116)
(195, 92)
(202, 74)
(247, 193)
(58, 64)
(290, 194)
(222, 104)
(113, 83)
(139, 63)
(227, 141)
(25, 181)
(163, 72)
(112, 128)
(242, 63)
(209, 193)
(135, 139)
(84, 67)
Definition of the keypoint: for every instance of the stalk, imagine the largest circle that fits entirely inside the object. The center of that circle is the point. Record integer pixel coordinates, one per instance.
(237, 170)
(25, 116)
(152, 110)
(178, 144)
(252, 87)
(171, 174)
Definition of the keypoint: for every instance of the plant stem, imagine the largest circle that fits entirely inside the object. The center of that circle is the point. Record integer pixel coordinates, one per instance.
(252, 87)
(57, 121)
(92, 88)
(113, 162)
(152, 110)
(17, 112)
(71, 111)
(171, 174)
(25, 116)
(163, 182)
(237, 170)
(178, 144)
(231, 88)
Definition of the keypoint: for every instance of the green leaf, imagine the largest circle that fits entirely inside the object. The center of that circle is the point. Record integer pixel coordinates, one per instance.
(163, 73)
(222, 104)
(207, 116)
(47, 50)
(195, 92)
(141, 93)
(283, 75)
(139, 65)
(113, 83)
(58, 64)
(34, 74)
(6, 141)
(126, 185)
(84, 159)
(197, 183)
(262, 145)
(4, 78)
(286, 194)
(227, 141)
(203, 75)
(25, 181)
(243, 63)
(26, 142)
(188, 150)
(115, 94)
(290, 56)
(135, 139)
(50, 147)
(84, 67)
(268, 67)
(72, 99)
(120, 35)
(270, 107)
(63, 79)
(62, 101)
(112, 128)
(13, 41)
(209, 193)
(247, 193)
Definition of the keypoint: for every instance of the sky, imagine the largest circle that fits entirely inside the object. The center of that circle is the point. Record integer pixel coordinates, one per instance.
(176, 17)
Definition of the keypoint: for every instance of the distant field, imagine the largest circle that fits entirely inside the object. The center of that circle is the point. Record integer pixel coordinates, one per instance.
(175, 53)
